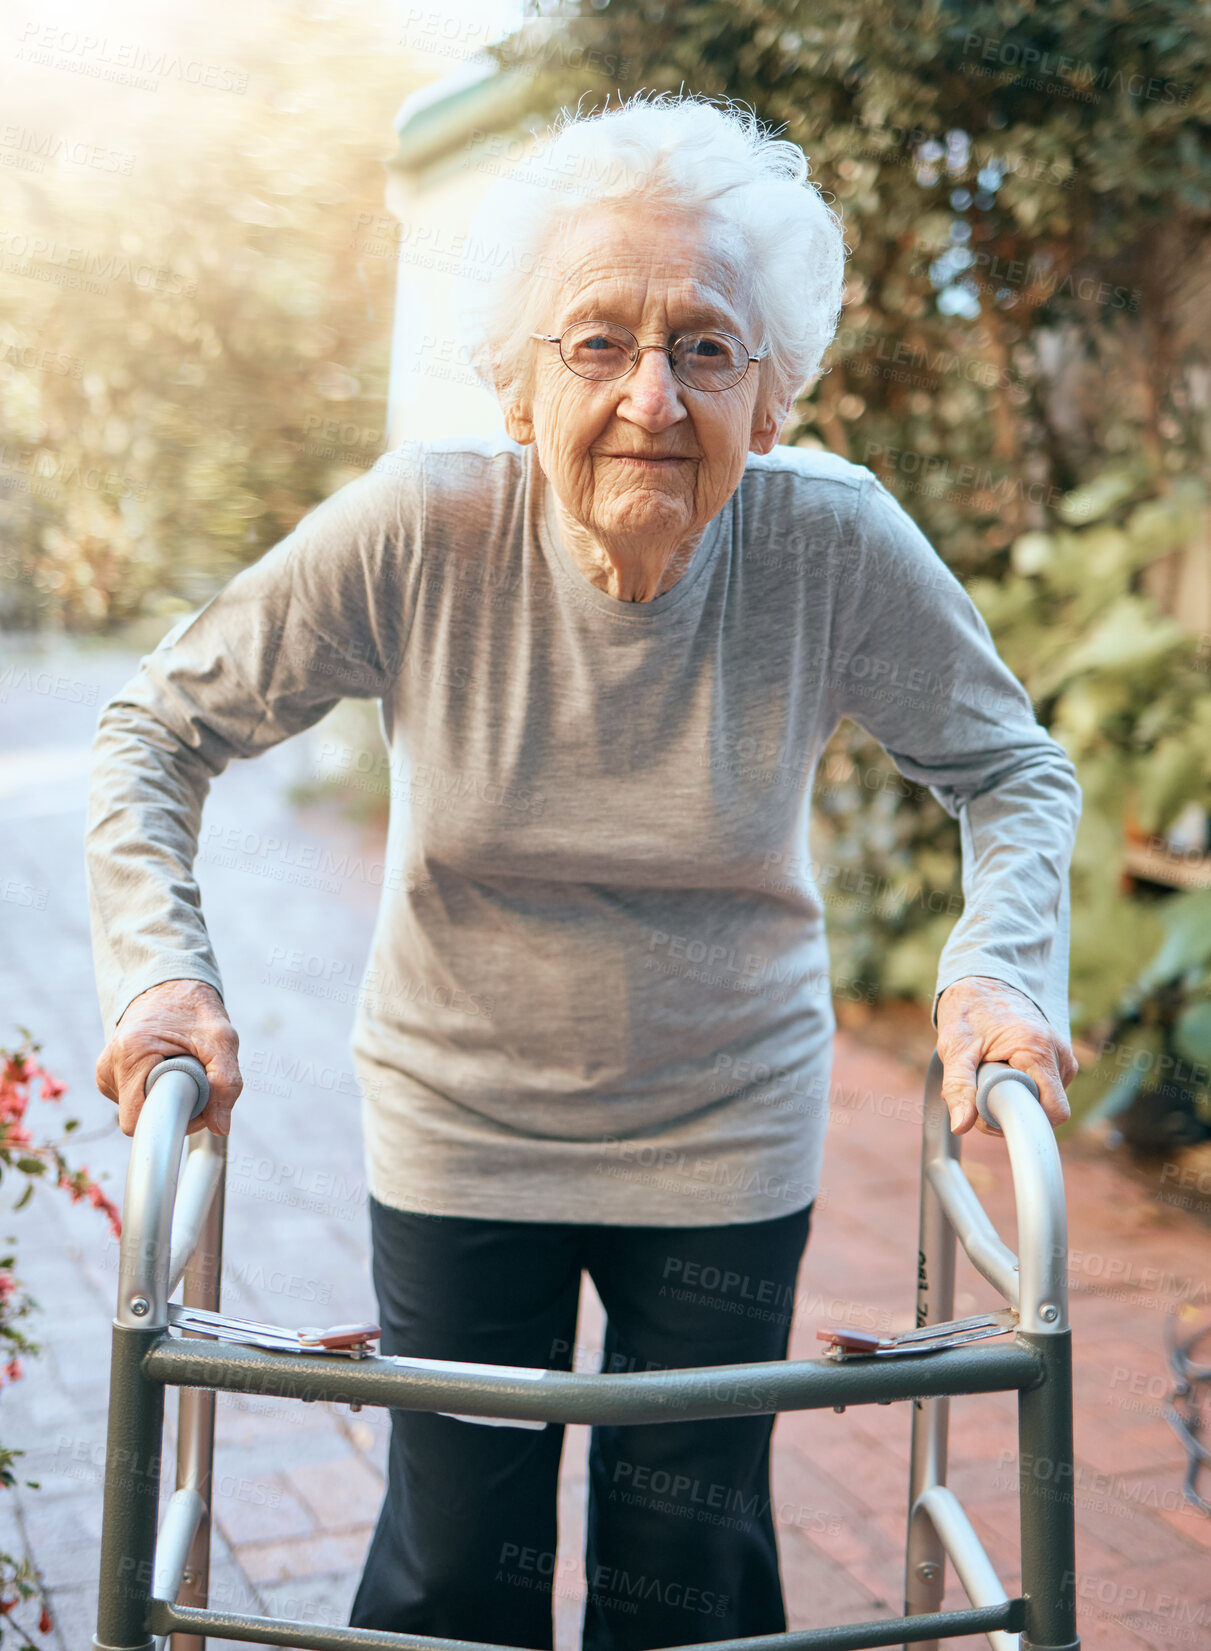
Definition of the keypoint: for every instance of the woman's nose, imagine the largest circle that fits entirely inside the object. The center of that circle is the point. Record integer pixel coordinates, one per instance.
(652, 393)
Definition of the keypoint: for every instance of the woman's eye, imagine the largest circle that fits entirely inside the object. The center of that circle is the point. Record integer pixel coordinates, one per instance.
(598, 355)
(706, 348)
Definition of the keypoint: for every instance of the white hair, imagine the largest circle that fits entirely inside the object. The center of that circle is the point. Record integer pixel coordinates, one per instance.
(684, 153)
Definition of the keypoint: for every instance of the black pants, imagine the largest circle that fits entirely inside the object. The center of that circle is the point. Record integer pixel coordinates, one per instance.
(681, 1545)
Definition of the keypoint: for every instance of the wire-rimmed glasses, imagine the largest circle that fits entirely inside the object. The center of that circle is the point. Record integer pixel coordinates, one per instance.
(605, 350)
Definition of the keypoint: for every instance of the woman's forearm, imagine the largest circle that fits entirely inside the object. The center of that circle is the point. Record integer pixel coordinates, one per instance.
(146, 795)
(1017, 839)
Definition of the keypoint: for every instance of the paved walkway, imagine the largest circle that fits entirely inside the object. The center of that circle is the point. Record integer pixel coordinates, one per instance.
(297, 1487)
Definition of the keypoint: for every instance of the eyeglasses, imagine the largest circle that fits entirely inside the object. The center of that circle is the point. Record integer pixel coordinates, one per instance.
(603, 350)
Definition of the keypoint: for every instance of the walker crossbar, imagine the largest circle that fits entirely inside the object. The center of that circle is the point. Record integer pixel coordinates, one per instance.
(155, 1586)
(683, 1395)
(853, 1637)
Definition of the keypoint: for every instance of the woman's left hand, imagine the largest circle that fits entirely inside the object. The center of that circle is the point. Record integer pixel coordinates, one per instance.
(981, 1019)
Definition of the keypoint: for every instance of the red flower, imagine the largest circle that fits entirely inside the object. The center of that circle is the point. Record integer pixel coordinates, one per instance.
(99, 1201)
(13, 1371)
(45, 1621)
(52, 1088)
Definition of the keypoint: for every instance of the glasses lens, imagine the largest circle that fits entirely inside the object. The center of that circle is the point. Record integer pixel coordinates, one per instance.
(710, 360)
(597, 349)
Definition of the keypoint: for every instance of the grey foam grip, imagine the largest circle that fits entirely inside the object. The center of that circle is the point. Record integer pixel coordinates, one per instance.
(992, 1073)
(195, 1069)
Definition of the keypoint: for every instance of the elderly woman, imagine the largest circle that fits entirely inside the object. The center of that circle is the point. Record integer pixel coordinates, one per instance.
(595, 1028)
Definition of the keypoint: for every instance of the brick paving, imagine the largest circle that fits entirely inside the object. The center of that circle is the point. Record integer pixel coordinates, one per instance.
(297, 1486)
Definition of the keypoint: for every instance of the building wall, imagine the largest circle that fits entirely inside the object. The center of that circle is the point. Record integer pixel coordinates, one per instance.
(433, 391)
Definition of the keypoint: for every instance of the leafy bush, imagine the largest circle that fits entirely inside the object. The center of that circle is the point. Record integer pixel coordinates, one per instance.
(21, 1155)
(1160, 1093)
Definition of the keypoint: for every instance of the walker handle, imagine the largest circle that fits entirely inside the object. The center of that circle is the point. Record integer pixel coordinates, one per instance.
(192, 1068)
(989, 1075)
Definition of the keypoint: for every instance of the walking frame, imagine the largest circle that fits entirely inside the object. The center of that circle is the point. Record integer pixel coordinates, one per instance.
(154, 1584)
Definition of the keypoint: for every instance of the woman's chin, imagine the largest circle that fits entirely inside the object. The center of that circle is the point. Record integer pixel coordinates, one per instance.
(651, 515)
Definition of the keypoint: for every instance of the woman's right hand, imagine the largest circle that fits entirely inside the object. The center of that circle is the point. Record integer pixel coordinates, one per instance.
(178, 1017)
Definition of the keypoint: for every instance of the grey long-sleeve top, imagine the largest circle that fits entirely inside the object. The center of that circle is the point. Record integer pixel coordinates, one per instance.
(598, 987)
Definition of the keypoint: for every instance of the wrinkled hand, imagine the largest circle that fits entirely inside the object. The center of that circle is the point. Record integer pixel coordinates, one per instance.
(179, 1017)
(980, 1019)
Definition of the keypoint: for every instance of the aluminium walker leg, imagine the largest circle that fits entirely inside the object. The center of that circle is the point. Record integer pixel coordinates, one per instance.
(195, 1415)
(1046, 1472)
(132, 1495)
(176, 1090)
(925, 1567)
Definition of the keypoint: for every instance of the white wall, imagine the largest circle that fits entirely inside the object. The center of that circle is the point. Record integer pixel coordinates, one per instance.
(433, 391)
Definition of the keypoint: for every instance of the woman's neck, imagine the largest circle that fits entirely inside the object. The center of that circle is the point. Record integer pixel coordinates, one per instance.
(626, 578)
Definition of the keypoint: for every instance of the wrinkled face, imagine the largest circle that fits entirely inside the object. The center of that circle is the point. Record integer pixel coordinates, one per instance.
(644, 459)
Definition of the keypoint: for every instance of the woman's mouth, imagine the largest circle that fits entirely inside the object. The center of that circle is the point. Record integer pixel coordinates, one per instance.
(644, 460)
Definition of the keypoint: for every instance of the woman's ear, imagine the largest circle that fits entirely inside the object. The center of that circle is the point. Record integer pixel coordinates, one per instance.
(768, 419)
(519, 423)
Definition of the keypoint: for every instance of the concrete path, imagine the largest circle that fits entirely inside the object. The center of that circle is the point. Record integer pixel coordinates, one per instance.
(297, 1487)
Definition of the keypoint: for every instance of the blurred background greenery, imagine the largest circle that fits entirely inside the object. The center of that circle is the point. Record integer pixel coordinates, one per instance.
(177, 315)
(1023, 359)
